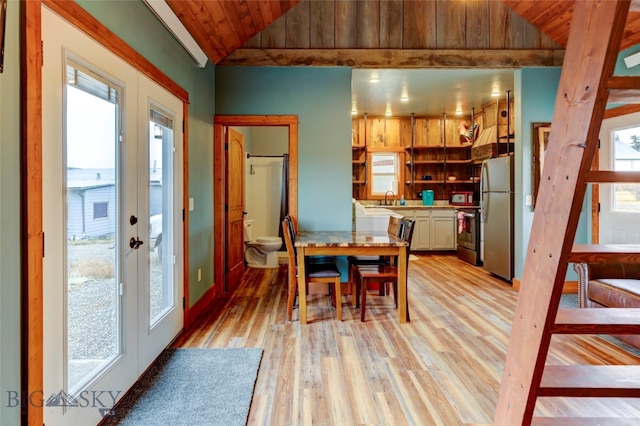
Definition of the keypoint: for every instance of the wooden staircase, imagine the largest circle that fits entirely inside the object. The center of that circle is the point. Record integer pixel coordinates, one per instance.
(586, 85)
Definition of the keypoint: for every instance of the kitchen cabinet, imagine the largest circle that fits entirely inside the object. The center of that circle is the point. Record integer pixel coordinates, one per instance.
(422, 230)
(436, 156)
(435, 229)
(442, 230)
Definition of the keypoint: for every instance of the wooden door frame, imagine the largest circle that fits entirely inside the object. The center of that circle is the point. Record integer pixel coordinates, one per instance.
(32, 248)
(220, 176)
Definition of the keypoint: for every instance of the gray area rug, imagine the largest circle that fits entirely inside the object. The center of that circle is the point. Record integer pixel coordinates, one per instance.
(192, 387)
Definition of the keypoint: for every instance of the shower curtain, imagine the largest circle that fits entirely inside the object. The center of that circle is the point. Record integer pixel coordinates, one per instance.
(284, 199)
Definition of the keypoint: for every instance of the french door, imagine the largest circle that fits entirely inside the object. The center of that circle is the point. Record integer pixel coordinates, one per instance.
(112, 200)
(620, 202)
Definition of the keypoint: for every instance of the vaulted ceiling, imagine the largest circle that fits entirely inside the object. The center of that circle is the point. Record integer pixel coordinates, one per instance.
(406, 33)
(220, 27)
(474, 36)
(554, 19)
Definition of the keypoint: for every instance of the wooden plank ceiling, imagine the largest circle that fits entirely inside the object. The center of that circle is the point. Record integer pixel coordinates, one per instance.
(405, 33)
(554, 18)
(400, 34)
(220, 27)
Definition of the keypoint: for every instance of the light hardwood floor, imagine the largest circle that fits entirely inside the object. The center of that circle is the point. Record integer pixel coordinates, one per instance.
(442, 368)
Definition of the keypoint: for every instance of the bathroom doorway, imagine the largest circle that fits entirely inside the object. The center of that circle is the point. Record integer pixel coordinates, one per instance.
(221, 173)
(265, 180)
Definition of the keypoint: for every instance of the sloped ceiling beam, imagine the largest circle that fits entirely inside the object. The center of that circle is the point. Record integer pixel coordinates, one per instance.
(554, 18)
(220, 27)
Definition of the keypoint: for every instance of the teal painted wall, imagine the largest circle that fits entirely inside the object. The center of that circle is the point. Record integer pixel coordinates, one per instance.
(621, 68)
(536, 90)
(138, 26)
(10, 246)
(321, 98)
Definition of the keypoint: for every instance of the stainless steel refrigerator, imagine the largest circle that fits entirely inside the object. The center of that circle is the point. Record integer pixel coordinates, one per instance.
(496, 205)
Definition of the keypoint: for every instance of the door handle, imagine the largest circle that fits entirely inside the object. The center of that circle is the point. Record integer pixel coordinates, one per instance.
(135, 243)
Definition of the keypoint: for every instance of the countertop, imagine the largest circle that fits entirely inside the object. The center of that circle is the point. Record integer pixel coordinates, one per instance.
(347, 239)
(421, 207)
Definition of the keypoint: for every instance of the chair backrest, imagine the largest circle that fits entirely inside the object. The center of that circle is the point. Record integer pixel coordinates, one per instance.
(394, 227)
(292, 226)
(407, 226)
(289, 238)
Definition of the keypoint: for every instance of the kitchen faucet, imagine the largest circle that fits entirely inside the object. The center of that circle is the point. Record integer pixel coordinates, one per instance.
(385, 197)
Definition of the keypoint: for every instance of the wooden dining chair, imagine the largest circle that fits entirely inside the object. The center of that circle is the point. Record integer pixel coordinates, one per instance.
(320, 270)
(394, 228)
(383, 273)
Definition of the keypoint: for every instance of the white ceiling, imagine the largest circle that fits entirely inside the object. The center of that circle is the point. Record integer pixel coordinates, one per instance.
(431, 92)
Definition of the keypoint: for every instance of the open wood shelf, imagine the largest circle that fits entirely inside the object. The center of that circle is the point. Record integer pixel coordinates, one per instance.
(426, 182)
(467, 161)
(439, 162)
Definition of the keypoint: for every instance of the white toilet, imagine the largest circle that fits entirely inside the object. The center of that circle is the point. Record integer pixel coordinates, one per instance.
(261, 252)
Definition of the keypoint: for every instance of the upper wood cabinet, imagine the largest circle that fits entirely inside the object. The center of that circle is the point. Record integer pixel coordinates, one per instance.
(382, 132)
(428, 132)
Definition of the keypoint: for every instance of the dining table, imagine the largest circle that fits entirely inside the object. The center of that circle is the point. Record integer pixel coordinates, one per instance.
(352, 243)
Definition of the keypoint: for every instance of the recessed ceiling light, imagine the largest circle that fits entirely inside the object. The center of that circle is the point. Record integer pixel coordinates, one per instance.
(404, 99)
(374, 78)
(354, 112)
(495, 94)
(388, 113)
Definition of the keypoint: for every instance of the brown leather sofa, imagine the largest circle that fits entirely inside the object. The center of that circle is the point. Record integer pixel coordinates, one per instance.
(610, 285)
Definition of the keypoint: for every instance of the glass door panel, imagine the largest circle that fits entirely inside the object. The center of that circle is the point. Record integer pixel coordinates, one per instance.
(161, 294)
(92, 258)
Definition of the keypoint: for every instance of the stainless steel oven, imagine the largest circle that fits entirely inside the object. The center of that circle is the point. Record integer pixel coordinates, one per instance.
(469, 235)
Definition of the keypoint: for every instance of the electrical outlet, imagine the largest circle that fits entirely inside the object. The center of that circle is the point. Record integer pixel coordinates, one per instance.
(528, 200)
(191, 204)
(199, 274)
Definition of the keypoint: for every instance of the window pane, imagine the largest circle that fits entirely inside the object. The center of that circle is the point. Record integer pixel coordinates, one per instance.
(100, 210)
(93, 304)
(160, 208)
(384, 173)
(626, 151)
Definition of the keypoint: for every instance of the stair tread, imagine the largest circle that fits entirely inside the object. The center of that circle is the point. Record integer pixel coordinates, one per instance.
(624, 82)
(599, 253)
(591, 381)
(612, 176)
(584, 421)
(623, 89)
(597, 321)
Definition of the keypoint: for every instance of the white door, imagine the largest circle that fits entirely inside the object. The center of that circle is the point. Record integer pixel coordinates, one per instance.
(110, 304)
(620, 203)
(160, 210)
